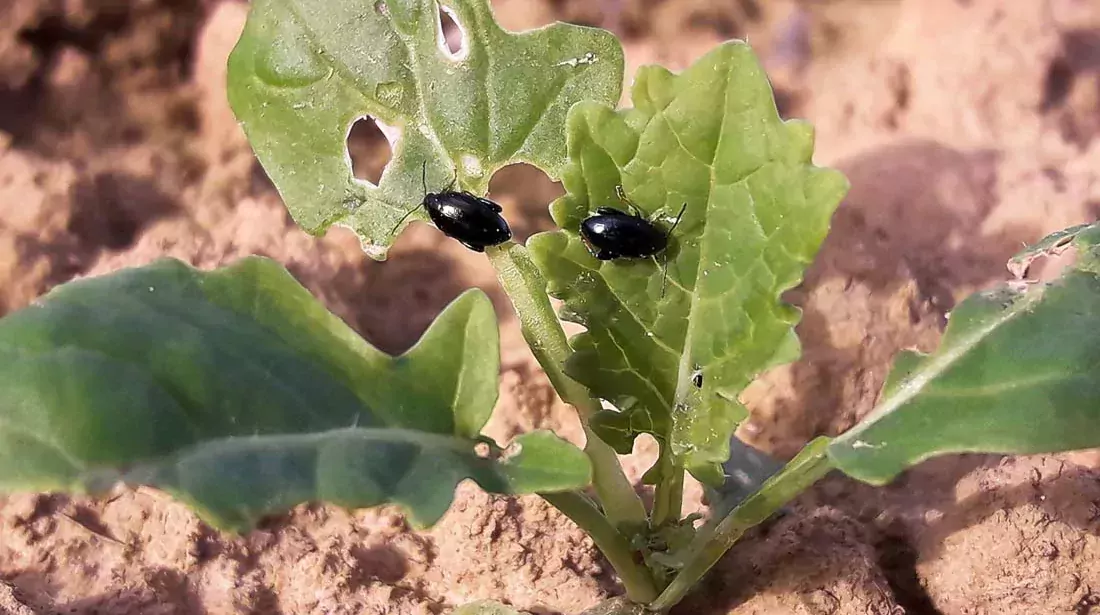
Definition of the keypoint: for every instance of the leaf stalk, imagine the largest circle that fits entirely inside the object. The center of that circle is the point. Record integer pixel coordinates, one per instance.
(526, 288)
(636, 578)
(717, 536)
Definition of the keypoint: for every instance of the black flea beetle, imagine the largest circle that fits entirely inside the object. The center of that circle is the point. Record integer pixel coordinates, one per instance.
(473, 221)
(612, 234)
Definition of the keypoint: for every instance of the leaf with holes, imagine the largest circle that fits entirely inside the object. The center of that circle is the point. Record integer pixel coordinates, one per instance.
(239, 393)
(757, 211)
(1017, 371)
(305, 70)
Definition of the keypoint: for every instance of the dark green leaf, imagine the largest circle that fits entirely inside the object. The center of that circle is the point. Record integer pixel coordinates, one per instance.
(237, 391)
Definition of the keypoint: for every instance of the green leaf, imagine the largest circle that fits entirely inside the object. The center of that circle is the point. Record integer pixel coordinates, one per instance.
(238, 392)
(485, 608)
(617, 606)
(757, 211)
(1017, 371)
(1051, 245)
(305, 70)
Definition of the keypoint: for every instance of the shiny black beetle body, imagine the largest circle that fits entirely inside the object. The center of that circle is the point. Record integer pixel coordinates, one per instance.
(475, 222)
(612, 234)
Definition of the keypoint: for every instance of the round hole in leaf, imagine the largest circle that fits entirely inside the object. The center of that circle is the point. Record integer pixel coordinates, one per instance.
(369, 151)
(452, 37)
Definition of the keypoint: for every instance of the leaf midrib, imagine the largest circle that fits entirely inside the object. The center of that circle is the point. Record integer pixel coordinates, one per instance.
(186, 402)
(918, 379)
(683, 375)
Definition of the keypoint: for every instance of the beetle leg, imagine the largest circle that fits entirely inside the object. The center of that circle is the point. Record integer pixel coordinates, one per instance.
(621, 194)
(625, 201)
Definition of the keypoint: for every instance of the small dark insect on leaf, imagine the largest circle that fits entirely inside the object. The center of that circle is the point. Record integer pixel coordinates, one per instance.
(697, 378)
(473, 221)
(612, 234)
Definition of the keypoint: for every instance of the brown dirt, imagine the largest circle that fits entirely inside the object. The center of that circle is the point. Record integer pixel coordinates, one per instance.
(1021, 537)
(966, 128)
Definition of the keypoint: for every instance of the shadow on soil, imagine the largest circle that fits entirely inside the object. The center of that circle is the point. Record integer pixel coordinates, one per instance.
(920, 230)
(923, 227)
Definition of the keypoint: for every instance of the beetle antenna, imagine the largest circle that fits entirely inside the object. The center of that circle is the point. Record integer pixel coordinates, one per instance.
(678, 216)
(664, 275)
(407, 214)
(423, 184)
(454, 180)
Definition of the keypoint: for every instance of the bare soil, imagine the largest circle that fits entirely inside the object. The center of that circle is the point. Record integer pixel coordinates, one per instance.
(967, 129)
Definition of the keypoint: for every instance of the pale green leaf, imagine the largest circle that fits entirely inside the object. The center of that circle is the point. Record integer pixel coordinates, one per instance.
(238, 392)
(1017, 371)
(305, 70)
(757, 211)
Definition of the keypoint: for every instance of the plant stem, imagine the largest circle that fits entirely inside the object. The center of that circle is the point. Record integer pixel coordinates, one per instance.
(636, 578)
(541, 328)
(714, 539)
